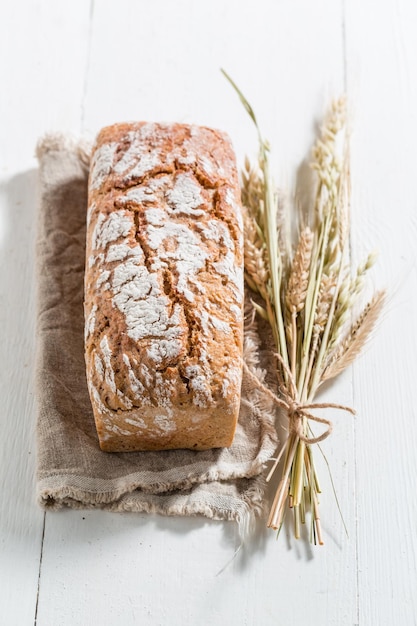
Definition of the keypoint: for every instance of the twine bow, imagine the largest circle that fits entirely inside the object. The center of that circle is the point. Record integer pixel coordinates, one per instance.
(297, 412)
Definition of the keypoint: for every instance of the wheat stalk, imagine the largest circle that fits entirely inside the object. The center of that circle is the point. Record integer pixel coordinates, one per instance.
(297, 289)
(326, 295)
(254, 255)
(307, 300)
(350, 347)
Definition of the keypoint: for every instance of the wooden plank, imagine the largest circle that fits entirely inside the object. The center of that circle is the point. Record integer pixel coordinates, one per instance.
(161, 61)
(164, 64)
(382, 54)
(42, 79)
(128, 569)
(21, 520)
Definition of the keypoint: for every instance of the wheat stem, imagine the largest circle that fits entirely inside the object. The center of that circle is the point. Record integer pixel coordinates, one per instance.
(307, 342)
(273, 519)
(324, 343)
(275, 263)
(293, 343)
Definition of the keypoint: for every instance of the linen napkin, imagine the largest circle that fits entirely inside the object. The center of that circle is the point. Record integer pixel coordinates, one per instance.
(72, 471)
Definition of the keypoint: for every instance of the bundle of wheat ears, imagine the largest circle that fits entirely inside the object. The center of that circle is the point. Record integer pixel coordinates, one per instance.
(306, 289)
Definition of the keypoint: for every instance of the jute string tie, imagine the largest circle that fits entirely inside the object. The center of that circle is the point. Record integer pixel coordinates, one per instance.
(297, 412)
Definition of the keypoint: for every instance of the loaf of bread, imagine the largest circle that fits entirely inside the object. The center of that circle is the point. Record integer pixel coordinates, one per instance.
(164, 288)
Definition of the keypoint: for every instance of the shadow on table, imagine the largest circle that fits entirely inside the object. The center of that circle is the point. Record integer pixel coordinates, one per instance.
(19, 514)
(197, 535)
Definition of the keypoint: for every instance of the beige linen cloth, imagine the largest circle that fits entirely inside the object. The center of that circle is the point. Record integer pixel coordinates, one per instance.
(72, 470)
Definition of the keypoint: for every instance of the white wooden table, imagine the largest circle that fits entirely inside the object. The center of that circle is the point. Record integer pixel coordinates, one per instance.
(79, 65)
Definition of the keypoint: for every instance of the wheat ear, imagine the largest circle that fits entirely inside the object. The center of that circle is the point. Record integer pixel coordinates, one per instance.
(297, 287)
(358, 334)
(254, 253)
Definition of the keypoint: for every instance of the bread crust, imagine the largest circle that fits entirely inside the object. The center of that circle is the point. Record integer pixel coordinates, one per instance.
(164, 287)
